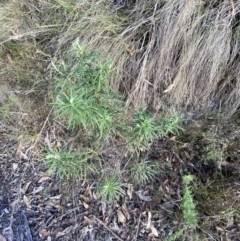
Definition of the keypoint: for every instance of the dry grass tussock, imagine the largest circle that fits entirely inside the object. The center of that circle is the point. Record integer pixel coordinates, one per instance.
(176, 54)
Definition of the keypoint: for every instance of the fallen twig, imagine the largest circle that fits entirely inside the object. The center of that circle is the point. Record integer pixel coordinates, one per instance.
(102, 223)
(39, 134)
(139, 220)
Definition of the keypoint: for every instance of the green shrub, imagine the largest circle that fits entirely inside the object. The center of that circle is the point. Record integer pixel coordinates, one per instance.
(82, 95)
(83, 98)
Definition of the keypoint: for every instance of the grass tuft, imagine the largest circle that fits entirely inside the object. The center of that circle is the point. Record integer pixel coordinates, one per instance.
(69, 164)
(111, 187)
(143, 171)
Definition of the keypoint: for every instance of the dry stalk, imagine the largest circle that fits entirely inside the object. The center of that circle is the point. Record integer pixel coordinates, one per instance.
(105, 226)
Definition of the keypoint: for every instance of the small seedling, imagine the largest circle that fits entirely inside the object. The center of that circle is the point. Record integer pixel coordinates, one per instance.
(69, 164)
(170, 124)
(111, 188)
(142, 130)
(143, 171)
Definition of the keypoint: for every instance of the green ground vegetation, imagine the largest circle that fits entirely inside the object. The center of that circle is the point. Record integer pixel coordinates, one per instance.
(83, 99)
(83, 77)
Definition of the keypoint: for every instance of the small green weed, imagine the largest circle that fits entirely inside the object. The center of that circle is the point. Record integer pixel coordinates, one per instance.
(111, 187)
(170, 124)
(214, 152)
(188, 205)
(143, 171)
(69, 164)
(145, 128)
(215, 147)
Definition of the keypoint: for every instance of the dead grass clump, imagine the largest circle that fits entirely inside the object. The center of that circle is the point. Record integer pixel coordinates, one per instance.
(188, 51)
(19, 21)
(11, 19)
(169, 54)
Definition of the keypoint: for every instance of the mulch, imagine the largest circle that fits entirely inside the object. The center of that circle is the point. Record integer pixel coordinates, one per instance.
(36, 206)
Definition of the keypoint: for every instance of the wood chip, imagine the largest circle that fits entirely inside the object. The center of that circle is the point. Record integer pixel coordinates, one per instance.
(2, 238)
(88, 220)
(143, 197)
(15, 167)
(25, 188)
(104, 207)
(19, 149)
(125, 212)
(43, 233)
(56, 197)
(37, 190)
(149, 220)
(43, 179)
(85, 205)
(130, 191)
(154, 230)
(89, 191)
(121, 217)
(85, 199)
(170, 190)
(60, 234)
(27, 202)
(150, 225)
